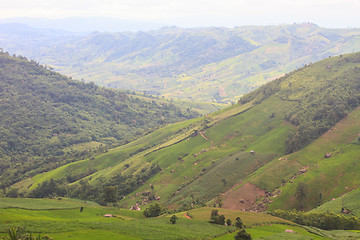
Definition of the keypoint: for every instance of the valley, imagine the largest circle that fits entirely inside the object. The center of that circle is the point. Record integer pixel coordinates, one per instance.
(75, 157)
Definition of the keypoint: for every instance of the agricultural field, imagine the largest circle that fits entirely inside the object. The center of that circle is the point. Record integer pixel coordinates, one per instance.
(62, 219)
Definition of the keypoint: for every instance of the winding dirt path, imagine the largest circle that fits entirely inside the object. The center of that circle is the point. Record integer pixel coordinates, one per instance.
(204, 136)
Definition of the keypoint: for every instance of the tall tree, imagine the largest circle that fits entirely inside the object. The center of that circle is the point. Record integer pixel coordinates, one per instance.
(301, 193)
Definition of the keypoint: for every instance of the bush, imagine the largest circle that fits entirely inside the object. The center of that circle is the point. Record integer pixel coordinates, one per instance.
(173, 219)
(216, 218)
(239, 223)
(242, 235)
(153, 210)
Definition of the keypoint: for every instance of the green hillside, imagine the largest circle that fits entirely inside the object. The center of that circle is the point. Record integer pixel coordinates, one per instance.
(48, 120)
(324, 178)
(203, 64)
(243, 157)
(346, 204)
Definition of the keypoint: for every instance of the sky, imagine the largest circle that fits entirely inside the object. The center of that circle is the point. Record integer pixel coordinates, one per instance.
(193, 13)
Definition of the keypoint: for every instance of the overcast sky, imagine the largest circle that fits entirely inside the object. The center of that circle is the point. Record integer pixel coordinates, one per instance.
(326, 13)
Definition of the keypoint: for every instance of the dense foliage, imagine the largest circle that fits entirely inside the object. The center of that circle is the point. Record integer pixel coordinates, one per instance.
(242, 235)
(326, 220)
(42, 113)
(216, 218)
(153, 210)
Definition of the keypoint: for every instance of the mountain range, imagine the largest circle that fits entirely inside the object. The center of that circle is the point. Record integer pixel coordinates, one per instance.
(203, 64)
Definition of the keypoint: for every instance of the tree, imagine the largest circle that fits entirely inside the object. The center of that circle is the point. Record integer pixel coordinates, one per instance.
(216, 218)
(214, 215)
(301, 193)
(242, 235)
(12, 193)
(153, 210)
(173, 219)
(221, 220)
(228, 222)
(239, 223)
(110, 193)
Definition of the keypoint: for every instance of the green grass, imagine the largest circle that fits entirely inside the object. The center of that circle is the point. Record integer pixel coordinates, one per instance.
(68, 223)
(92, 234)
(277, 231)
(250, 219)
(91, 223)
(32, 203)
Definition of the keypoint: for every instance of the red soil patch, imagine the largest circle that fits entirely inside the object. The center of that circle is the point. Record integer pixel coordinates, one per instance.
(243, 198)
(187, 216)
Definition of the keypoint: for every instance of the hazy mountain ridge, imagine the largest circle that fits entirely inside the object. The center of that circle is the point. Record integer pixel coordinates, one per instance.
(208, 64)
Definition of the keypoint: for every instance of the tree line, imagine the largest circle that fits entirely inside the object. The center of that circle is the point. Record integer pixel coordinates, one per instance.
(325, 220)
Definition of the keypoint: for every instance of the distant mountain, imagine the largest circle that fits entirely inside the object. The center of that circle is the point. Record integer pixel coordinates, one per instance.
(203, 64)
(48, 119)
(86, 24)
(299, 130)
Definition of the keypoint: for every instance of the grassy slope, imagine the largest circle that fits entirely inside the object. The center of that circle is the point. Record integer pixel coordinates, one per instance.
(45, 217)
(331, 177)
(349, 201)
(70, 223)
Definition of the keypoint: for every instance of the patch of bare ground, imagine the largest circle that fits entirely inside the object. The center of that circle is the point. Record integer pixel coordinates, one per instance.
(244, 198)
(187, 216)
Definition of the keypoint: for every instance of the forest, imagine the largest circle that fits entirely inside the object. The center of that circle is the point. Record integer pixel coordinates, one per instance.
(45, 116)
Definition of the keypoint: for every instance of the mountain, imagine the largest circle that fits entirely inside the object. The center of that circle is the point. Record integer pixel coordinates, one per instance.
(251, 156)
(86, 24)
(48, 120)
(203, 64)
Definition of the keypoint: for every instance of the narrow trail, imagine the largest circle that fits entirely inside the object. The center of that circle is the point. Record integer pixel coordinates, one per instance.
(204, 136)
(187, 216)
